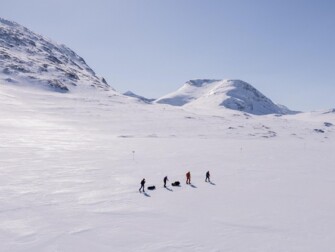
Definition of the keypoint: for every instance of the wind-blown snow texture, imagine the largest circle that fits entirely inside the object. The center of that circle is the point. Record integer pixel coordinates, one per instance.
(69, 181)
(26, 57)
(231, 94)
(71, 165)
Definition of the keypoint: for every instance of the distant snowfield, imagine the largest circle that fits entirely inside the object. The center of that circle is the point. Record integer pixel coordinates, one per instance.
(69, 180)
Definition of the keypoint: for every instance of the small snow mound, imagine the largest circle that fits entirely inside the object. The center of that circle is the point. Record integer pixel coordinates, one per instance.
(286, 111)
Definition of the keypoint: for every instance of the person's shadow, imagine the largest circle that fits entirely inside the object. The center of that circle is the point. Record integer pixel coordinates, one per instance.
(193, 186)
(147, 195)
(169, 189)
(212, 183)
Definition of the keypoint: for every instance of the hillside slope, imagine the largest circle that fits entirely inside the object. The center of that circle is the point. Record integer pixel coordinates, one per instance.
(230, 94)
(29, 58)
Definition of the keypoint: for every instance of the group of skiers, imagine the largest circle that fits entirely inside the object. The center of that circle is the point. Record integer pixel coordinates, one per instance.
(165, 180)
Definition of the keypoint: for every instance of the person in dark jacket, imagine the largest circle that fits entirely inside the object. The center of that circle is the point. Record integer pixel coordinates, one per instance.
(165, 180)
(188, 178)
(207, 177)
(142, 185)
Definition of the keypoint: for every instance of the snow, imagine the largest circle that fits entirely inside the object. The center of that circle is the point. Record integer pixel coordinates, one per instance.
(218, 94)
(71, 162)
(69, 181)
(29, 58)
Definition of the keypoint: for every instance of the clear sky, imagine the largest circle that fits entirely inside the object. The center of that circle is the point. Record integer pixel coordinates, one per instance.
(284, 48)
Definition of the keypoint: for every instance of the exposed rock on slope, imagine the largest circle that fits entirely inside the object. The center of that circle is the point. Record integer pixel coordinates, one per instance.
(26, 57)
(231, 94)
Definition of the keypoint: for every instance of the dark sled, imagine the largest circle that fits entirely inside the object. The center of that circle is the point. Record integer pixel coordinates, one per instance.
(176, 183)
(151, 187)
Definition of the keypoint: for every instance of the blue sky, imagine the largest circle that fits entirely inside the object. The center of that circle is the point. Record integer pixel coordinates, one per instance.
(286, 49)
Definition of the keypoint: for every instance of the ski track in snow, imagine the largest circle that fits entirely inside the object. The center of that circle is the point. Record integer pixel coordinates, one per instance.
(69, 179)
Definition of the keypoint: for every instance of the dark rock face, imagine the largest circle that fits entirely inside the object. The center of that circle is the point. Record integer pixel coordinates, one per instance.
(53, 59)
(59, 86)
(200, 82)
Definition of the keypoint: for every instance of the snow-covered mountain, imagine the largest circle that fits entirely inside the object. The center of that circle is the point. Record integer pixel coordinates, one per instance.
(231, 94)
(26, 57)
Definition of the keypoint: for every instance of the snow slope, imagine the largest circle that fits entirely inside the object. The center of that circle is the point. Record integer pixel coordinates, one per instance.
(28, 58)
(69, 180)
(215, 94)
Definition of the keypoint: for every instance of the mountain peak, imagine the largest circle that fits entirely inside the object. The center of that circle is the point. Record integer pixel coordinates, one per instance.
(31, 59)
(216, 94)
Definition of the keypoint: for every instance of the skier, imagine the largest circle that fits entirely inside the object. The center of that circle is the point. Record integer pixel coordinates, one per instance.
(142, 185)
(188, 178)
(165, 180)
(207, 177)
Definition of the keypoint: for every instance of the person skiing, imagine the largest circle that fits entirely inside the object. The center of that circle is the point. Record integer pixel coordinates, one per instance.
(142, 185)
(207, 177)
(188, 178)
(165, 180)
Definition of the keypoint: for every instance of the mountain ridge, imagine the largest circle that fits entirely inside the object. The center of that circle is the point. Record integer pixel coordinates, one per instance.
(27, 57)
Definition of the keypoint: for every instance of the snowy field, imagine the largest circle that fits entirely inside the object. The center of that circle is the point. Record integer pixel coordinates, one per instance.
(69, 179)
